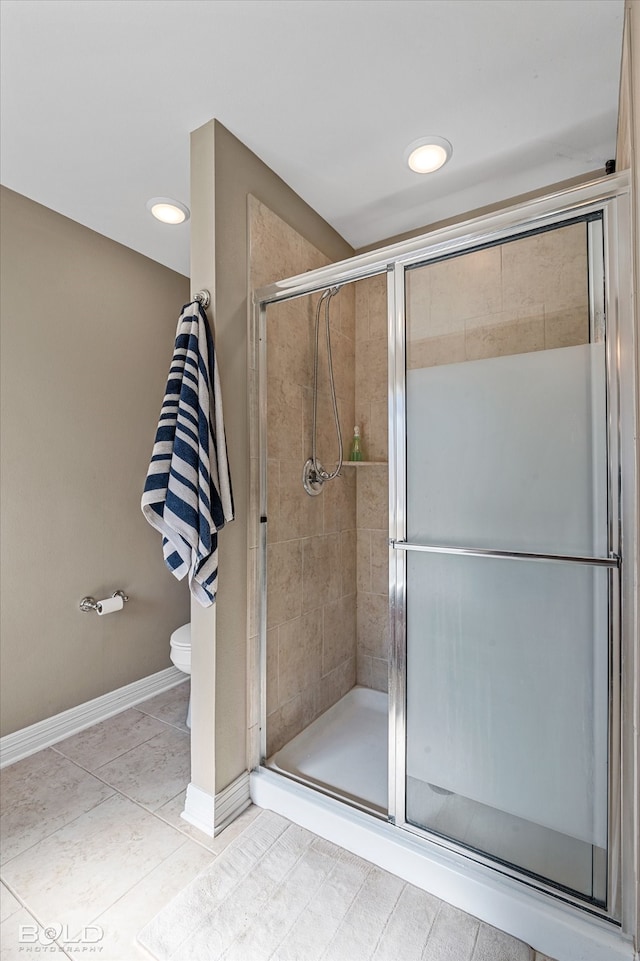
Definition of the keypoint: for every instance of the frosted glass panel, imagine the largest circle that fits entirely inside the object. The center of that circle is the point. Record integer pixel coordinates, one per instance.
(507, 659)
(508, 453)
(507, 688)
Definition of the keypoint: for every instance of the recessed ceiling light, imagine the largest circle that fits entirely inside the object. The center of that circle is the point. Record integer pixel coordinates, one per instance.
(428, 154)
(167, 210)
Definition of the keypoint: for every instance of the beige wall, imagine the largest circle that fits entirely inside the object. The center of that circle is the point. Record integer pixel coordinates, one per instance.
(87, 335)
(203, 640)
(311, 541)
(224, 174)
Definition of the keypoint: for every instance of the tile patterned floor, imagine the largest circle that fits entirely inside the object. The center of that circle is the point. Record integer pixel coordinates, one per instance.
(281, 893)
(91, 840)
(91, 833)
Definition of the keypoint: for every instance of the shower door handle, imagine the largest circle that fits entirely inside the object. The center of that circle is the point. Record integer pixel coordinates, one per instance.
(612, 561)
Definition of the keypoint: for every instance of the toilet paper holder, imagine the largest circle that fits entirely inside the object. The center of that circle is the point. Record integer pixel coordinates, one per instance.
(91, 604)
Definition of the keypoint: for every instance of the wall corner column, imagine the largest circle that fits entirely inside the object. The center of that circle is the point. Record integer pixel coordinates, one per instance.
(203, 620)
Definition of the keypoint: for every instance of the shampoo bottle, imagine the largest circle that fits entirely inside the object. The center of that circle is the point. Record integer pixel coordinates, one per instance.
(355, 453)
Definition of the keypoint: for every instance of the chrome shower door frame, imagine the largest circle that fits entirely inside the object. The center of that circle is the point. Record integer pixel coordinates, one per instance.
(611, 196)
(622, 523)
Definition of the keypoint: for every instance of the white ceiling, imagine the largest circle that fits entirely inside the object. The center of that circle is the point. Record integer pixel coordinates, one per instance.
(99, 98)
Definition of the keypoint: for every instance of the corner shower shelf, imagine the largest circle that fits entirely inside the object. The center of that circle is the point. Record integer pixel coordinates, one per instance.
(364, 463)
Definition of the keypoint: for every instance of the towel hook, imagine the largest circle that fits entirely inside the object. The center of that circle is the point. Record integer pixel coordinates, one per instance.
(203, 297)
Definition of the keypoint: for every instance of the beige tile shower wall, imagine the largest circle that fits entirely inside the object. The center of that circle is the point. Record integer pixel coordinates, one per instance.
(372, 484)
(526, 295)
(311, 541)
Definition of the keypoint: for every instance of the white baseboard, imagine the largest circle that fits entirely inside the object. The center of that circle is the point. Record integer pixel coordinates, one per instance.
(211, 815)
(198, 809)
(557, 930)
(20, 744)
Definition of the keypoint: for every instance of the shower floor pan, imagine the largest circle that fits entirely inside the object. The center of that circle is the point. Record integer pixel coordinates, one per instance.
(344, 751)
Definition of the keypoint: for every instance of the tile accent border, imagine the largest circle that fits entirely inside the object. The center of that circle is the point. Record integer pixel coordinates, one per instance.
(211, 815)
(561, 932)
(29, 740)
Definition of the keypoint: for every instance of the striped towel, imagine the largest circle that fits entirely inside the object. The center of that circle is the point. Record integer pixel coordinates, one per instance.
(187, 495)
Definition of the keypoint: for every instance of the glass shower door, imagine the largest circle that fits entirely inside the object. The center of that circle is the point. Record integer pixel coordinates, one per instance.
(507, 549)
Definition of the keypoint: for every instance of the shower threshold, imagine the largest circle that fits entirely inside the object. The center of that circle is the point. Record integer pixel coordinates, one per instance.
(344, 751)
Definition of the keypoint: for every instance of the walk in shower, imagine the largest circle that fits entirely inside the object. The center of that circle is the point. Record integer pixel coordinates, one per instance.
(439, 626)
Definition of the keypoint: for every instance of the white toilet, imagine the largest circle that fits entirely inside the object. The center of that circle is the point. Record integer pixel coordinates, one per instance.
(181, 655)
